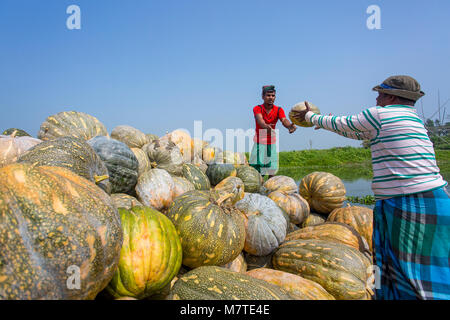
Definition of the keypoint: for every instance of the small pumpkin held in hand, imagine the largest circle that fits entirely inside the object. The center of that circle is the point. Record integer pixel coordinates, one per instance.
(301, 106)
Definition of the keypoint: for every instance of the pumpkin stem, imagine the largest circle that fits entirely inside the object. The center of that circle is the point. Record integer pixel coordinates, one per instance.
(13, 135)
(223, 198)
(153, 164)
(99, 179)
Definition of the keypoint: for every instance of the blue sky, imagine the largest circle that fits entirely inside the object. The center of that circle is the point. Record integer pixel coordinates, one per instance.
(161, 65)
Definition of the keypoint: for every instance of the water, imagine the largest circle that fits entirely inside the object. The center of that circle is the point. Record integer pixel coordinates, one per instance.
(357, 179)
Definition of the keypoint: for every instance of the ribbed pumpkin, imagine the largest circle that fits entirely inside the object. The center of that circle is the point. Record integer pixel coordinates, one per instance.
(217, 172)
(16, 132)
(265, 225)
(151, 137)
(360, 218)
(323, 191)
(150, 256)
(54, 223)
(301, 107)
(237, 265)
(181, 186)
(298, 287)
(132, 137)
(279, 183)
(123, 200)
(164, 154)
(144, 162)
(122, 164)
(340, 269)
(251, 178)
(232, 185)
(197, 177)
(215, 283)
(211, 233)
(330, 231)
(235, 158)
(12, 147)
(71, 123)
(313, 219)
(73, 154)
(155, 188)
(293, 204)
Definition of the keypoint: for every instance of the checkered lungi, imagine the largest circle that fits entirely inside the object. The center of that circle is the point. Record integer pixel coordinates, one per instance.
(412, 246)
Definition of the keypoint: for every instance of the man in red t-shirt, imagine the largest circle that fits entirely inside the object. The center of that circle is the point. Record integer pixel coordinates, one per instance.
(264, 156)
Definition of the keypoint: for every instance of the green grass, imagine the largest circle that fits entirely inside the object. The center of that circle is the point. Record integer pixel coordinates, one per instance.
(325, 158)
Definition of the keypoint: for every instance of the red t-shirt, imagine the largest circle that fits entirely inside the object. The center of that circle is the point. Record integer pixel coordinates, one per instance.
(271, 119)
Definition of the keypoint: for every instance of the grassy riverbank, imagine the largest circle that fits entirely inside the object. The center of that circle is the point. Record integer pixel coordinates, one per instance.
(346, 156)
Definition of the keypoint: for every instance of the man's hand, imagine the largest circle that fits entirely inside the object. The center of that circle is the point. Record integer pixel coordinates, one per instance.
(292, 128)
(300, 115)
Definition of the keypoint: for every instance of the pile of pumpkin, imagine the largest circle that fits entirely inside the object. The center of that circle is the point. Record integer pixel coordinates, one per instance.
(144, 217)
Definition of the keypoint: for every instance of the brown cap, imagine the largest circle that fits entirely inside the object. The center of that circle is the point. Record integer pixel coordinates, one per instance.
(401, 86)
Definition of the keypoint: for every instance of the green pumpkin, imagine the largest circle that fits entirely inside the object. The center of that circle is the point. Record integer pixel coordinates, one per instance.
(164, 154)
(132, 137)
(73, 154)
(251, 178)
(122, 164)
(216, 283)
(218, 171)
(16, 132)
(150, 256)
(211, 233)
(71, 123)
(55, 224)
(193, 174)
(340, 269)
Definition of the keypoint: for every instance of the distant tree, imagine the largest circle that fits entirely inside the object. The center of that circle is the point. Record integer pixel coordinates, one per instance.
(429, 123)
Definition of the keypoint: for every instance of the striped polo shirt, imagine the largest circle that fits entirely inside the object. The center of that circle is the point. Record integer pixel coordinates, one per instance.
(403, 158)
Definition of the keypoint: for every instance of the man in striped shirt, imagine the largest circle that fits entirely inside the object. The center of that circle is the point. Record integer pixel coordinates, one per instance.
(412, 211)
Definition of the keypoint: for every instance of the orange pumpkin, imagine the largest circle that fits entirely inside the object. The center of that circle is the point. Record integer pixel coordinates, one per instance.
(293, 204)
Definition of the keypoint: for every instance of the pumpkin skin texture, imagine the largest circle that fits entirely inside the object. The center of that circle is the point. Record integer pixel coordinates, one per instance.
(71, 123)
(266, 225)
(209, 154)
(301, 107)
(330, 231)
(237, 265)
(279, 183)
(199, 163)
(11, 148)
(313, 219)
(183, 141)
(341, 270)
(122, 164)
(360, 218)
(298, 287)
(232, 185)
(251, 178)
(132, 137)
(197, 177)
(144, 162)
(53, 219)
(15, 132)
(181, 186)
(150, 255)
(164, 154)
(73, 154)
(323, 191)
(217, 172)
(156, 188)
(211, 233)
(123, 200)
(293, 204)
(215, 283)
